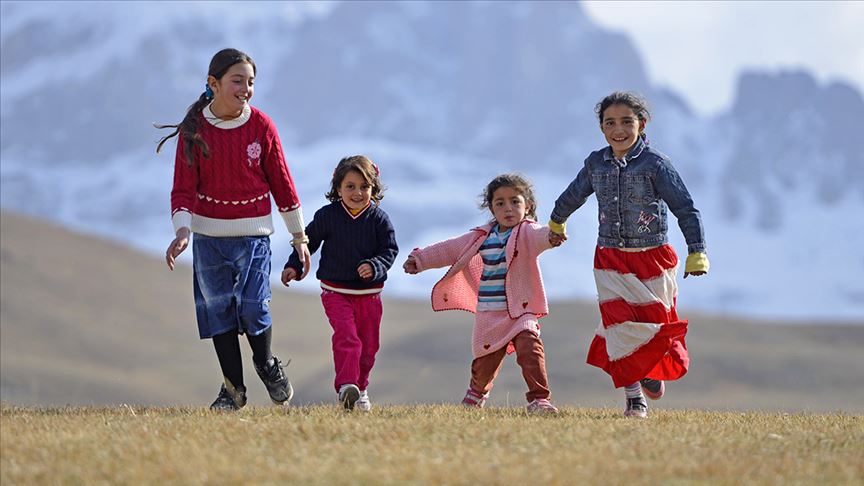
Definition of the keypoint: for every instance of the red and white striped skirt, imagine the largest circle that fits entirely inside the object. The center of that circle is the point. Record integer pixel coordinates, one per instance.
(640, 335)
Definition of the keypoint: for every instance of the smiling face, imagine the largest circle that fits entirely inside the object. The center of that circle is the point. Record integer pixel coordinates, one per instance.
(621, 127)
(354, 190)
(233, 91)
(508, 206)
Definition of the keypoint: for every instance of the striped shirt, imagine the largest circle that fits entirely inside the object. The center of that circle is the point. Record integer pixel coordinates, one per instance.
(492, 295)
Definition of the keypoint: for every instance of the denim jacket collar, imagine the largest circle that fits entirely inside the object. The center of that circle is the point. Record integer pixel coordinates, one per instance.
(634, 152)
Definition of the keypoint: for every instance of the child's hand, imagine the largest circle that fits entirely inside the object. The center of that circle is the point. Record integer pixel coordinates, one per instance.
(288, 275)
(556, 239)
(365, 271)
(557, 233)
(410, 265)
(181, 241)
(305, 258)
(696, 264)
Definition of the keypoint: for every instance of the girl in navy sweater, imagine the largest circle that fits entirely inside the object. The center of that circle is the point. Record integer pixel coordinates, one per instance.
(359, 246)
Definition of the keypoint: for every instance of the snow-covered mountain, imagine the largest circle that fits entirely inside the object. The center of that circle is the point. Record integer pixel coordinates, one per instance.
(443, 95)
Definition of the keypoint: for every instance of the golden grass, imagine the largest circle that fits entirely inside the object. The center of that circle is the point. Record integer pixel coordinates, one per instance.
(424, 444)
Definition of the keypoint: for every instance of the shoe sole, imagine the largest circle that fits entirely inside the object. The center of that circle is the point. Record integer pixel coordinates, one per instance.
(654, 396)
(352, 394)
(542, 411)
(362, 409)
(224, 409)
(285, 402)
(636, 415)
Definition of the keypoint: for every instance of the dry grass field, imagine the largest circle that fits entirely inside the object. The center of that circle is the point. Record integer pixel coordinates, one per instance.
(424, 444)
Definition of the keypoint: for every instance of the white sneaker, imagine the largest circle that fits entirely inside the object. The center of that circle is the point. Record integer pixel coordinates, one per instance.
(541, 406)
(363, 404)
(348, 395)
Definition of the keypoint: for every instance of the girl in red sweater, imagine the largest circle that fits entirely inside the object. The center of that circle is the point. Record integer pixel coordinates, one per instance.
(229, 161)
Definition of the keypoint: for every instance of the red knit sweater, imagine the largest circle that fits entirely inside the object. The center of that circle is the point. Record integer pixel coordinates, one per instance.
(228, 193)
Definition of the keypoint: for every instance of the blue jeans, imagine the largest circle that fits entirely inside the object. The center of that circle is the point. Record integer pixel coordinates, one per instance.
(231, 284)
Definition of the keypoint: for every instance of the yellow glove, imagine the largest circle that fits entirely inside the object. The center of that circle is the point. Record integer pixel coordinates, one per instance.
(697, 264)
(556, 228)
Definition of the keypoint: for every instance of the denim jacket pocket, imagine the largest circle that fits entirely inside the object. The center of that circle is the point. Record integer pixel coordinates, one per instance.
(600, 185)
(640, 190)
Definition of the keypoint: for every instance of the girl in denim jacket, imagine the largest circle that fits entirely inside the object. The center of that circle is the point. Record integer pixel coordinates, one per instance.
(640, 341)
(494, 273)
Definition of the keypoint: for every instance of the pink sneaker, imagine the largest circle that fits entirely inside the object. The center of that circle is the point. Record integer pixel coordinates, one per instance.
(541, 406)
(653, 389)
(473, 399)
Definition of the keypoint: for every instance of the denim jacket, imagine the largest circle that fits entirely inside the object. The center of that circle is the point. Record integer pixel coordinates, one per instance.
(632, 196)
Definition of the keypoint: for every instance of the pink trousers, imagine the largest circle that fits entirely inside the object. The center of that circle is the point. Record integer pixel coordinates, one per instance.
(356, 323)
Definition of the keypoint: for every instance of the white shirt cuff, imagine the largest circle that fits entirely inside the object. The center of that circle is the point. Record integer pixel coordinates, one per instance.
(294, 220)
(181, 219)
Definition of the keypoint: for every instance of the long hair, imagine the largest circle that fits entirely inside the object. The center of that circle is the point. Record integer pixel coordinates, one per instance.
(188, 127)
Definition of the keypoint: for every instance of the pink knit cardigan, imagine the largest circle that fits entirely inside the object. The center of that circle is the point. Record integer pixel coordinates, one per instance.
(459, 287)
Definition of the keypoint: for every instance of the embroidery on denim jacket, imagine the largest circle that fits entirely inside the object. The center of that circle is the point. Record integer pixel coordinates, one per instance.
(644, 222)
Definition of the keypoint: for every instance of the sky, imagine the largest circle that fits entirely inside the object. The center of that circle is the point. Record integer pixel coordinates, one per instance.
(699, 48)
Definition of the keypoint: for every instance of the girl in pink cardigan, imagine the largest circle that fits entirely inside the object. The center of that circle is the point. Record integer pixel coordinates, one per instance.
(494, 274)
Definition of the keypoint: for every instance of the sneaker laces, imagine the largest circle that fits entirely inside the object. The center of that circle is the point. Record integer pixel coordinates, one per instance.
(274, 372)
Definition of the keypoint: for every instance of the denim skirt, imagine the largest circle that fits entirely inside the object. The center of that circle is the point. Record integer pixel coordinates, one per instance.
(231, 284)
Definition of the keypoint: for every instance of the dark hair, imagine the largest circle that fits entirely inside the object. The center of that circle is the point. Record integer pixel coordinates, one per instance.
(188, 128)
(635, 101)
(367, 170)
(519, 183)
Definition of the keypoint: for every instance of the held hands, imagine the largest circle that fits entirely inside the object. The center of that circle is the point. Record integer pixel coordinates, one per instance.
(555, 239)
(365, 271)
(299, 243)
(181, 241)
(410, 265)
(557, 233)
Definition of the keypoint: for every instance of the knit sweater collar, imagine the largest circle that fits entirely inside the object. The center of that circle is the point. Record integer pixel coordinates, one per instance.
(227, 124)
(350, 213)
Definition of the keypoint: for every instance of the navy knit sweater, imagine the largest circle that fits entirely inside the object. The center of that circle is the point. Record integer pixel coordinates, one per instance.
(349, 242)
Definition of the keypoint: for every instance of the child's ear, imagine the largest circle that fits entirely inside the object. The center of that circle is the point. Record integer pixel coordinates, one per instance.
(642, 124)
